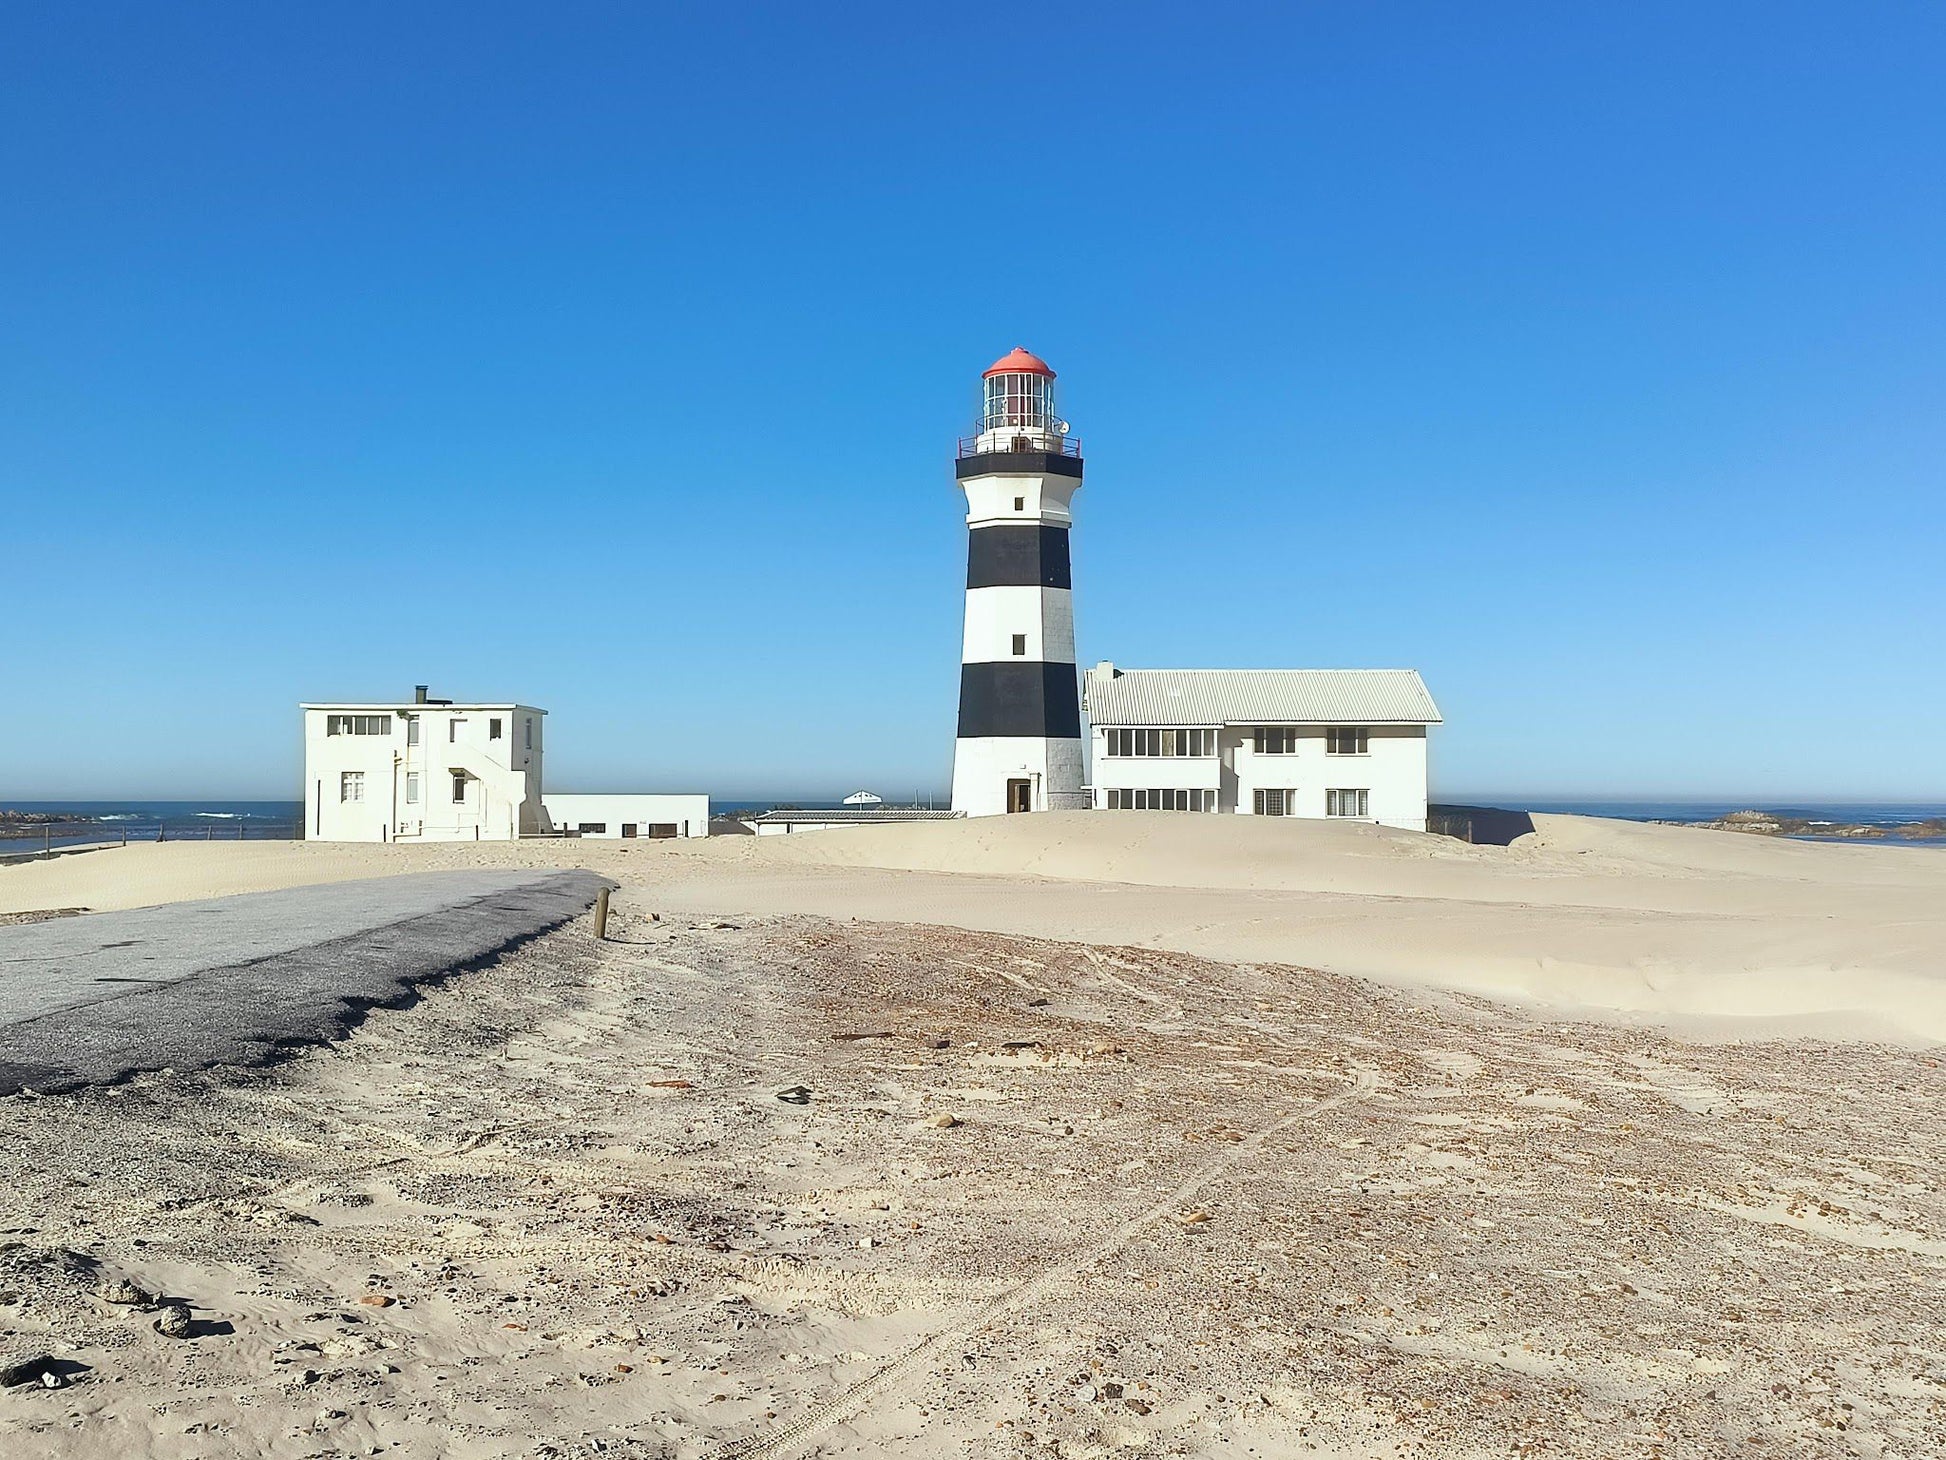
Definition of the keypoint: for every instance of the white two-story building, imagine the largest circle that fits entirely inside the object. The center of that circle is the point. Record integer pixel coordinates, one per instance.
(1345, 743)
(428, 770)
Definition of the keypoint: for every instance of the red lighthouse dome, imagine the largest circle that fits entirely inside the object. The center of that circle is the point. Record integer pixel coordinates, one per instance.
(1019, 362)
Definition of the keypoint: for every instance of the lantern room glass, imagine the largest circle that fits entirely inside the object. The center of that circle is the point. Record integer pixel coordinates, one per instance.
(1019, 401)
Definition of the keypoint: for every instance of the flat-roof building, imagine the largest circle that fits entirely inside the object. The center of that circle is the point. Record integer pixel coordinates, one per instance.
(422, 770)
(441, 770)
(782, 823)
(626, 816)
(1340, 743)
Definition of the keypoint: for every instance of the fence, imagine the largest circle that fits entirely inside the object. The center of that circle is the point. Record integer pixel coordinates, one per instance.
(1487, 826)
(23, 841)
(1003, 440)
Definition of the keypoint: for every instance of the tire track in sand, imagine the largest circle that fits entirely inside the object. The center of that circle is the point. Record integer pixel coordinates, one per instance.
(787, 1439)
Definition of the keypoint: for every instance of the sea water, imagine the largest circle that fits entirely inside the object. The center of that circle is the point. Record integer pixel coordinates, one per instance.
(216, 820)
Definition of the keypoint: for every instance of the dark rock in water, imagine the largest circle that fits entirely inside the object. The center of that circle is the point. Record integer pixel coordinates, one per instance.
(796, 1095)
(174, 1321)
(34, 1370)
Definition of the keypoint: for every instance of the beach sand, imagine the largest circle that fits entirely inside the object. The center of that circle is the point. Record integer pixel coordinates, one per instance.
(1715, 933)
(1266, 1139)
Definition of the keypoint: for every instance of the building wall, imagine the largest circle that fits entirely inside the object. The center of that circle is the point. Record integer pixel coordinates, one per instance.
(1393, 772)
(574, 811)
(502, 790)
(1019, 712)
(1044, 617)
(982, 767)
(1182, 772)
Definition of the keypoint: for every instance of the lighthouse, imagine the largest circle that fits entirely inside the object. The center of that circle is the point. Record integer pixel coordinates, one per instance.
(1019, 746)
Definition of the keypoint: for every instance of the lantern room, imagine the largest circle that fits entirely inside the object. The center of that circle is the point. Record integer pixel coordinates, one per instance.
(1019, 394)
(1017, 407)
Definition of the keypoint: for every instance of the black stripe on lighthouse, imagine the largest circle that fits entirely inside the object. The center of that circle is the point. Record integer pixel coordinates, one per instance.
(1018, 555)
(1040, 701)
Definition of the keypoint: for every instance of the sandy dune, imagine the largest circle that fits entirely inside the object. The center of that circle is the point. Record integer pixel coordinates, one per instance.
(1207, 1189)
(1715, 933)
(1187, 1208)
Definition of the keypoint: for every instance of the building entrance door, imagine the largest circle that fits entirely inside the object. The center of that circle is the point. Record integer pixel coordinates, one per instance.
(1020, 795)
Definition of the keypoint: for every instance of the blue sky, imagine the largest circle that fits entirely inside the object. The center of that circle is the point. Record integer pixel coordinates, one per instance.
(609, 357)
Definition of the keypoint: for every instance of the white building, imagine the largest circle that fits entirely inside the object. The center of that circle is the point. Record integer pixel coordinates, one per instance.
(428, 770)
(1348, 743)
(652, 817)
(783, 823)
(1019, 745)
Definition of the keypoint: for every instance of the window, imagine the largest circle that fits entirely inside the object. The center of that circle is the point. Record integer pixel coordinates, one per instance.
(1346, 740)
(351, 786)
(527, 729)
(1020, 504)
(1175, 743)
(412, 788)
(1020, 643)
(357, 724)
(1145, 798)
(593, 828)
(493, 728)
(452, 731)
(1347, 803)
(1275, 740)
(459, 787)
(1019, 399)
(1274, 802)
(411, 729)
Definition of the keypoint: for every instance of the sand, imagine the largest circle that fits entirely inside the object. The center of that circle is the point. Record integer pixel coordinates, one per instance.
(1715, 934)
(1194, 1199)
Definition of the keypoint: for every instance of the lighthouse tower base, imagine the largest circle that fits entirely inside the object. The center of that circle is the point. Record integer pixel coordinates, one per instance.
(993, 775)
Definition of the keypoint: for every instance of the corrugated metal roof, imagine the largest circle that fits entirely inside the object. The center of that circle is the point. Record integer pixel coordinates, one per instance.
(853, 816)
(1258, 697)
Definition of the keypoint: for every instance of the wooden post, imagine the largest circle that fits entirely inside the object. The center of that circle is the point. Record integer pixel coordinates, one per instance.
(601, 913)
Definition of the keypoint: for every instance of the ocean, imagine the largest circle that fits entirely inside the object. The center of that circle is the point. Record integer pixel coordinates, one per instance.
(197, 820)
(1860, 813)
(95, 821)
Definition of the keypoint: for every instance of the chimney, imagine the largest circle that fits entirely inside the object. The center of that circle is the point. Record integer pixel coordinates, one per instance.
(419, 693)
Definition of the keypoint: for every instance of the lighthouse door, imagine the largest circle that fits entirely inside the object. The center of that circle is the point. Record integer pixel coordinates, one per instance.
(1020, 795)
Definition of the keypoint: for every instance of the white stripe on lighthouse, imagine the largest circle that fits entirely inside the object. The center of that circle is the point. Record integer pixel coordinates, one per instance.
(1044, 617)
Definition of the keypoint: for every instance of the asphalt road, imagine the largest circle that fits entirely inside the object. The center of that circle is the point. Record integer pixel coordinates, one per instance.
(232, 980)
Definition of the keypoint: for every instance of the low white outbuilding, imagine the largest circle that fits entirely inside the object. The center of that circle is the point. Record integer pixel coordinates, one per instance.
(783, 823)
(1342, 743)
(624, 815)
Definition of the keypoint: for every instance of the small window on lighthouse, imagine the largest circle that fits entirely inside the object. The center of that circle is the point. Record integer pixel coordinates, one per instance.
(1020, 643)
(1020, 504)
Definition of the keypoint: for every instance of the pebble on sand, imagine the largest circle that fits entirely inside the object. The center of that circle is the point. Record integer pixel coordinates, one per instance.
(377, 1300)
(943, 1121)
(121, 1290)
(174, 1321)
